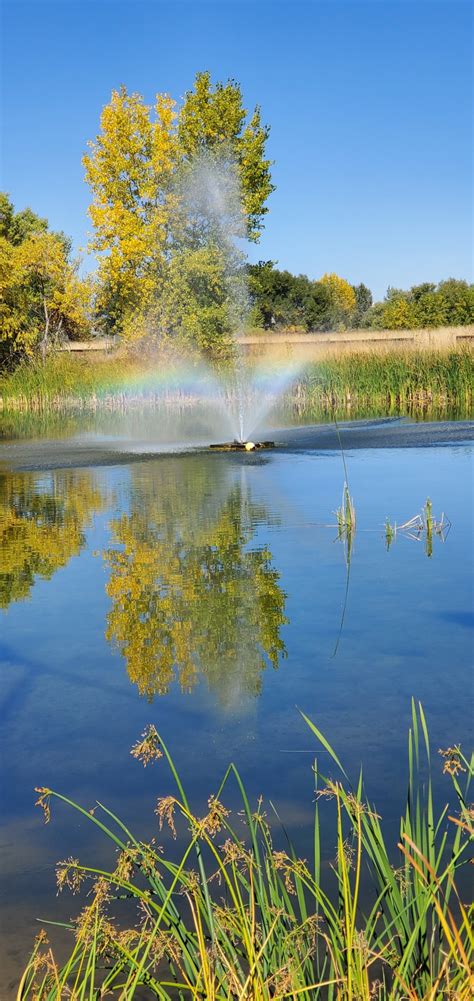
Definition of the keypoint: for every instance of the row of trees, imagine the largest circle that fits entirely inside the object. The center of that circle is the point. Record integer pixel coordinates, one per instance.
(174, 188)
(282, 301)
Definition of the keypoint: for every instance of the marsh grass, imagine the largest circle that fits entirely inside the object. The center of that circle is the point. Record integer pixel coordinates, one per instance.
(380, 379)
(345, 514)
(238, 918)
(422, 526)
(346, 521)
(393, 380)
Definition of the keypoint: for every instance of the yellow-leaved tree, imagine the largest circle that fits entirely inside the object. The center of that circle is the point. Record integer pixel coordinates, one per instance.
(342, 298)
(42, 297)
(160, 176)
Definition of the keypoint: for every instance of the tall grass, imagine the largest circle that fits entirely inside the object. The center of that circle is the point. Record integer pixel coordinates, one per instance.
(382, 378)
(238, 918)
(63, 380)
(392, 378)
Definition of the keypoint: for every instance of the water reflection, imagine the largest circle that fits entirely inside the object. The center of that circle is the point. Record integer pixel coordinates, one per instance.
(42, 523)
(192, 591)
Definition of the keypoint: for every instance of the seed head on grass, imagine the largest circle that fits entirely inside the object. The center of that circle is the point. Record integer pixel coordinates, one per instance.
(213, 821)
(44, 801)
(346, 855)
(232, 852)
(164, 810)
(452, 760)
(147, 749)
(70, 874)
(125, 866)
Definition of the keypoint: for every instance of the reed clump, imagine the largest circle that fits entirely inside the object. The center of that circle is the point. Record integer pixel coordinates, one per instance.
(422, 526)
(63, 381)
(237, 917)
(394, 380)
(383, 380)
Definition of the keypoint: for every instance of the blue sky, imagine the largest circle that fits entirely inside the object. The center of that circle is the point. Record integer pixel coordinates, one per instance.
(369, 106)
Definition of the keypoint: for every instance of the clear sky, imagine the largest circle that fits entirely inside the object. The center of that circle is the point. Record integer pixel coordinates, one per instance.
(368, 103)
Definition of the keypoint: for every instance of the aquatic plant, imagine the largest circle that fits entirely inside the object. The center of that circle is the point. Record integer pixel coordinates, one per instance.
(362, 383)
(423, 525)
(240, 917)
(392, 380)
(346, 521)
(345, 514)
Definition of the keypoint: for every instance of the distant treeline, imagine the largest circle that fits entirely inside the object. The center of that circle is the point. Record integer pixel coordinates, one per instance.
(283, 301)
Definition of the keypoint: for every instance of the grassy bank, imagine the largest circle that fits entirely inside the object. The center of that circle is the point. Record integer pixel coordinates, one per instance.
(239, 918)
(380, 380)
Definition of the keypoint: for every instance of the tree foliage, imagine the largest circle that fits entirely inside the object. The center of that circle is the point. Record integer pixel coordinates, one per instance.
(450, 303)
(158, 178)
(342, 299)
(363, 302)
(42, 297)
(282, 300)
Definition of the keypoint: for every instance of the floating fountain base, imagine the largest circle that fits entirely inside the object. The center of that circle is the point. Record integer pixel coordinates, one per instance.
(242, 446)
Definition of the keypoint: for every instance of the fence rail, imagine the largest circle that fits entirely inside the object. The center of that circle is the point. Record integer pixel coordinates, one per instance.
(314, 343)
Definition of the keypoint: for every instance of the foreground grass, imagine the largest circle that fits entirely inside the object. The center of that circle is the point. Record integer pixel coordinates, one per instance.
(380, 379)
(236, 918)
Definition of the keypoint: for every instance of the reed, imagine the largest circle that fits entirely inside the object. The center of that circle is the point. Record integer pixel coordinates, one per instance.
(394, 380)
(238, 918)
(423, 525)
(63, 381)
(381, 380)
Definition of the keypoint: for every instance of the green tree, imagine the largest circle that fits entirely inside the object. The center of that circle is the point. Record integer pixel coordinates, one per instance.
(459, 299)
(161, 179)
(282, 300)
(18, 226)
(450, 303)
(363, 302)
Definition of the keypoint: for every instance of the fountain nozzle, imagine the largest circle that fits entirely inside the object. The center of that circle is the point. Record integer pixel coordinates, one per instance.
(242, 446)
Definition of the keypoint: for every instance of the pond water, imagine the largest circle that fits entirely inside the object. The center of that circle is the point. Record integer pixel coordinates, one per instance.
(209, 594)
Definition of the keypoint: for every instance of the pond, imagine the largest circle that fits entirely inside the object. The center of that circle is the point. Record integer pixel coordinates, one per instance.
(209, 594)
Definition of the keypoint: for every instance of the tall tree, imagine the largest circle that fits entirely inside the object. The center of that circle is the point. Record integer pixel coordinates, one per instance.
(363, 302)
(42, 297)
(160, 177)
(343, 299)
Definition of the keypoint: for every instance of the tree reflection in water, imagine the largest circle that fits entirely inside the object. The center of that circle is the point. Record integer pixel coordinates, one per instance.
(190, 593)
(43, 518)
